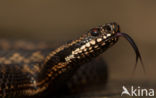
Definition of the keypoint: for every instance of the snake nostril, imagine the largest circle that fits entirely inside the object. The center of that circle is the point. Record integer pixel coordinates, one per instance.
(107, 28)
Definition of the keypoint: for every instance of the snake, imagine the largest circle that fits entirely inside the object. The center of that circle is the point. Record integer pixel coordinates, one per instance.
(28, 69)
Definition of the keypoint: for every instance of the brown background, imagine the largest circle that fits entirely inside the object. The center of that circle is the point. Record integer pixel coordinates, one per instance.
(60, 20)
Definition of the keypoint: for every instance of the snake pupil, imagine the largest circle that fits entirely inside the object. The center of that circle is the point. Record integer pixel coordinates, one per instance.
(95, 32)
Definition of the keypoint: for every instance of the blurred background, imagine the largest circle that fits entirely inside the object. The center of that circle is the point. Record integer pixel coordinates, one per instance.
(61, 20)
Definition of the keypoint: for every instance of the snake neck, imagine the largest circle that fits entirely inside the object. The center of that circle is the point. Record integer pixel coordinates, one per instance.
(63, 61)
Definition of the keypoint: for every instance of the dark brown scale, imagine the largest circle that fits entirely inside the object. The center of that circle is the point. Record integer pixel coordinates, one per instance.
(34, 70)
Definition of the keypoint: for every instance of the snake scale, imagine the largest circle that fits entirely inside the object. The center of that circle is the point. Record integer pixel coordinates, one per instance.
(28, 69)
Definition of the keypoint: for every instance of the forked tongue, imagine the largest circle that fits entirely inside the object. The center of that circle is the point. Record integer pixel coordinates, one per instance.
(131, 41)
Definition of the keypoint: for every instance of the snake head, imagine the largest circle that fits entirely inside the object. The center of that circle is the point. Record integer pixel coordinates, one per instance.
(102, 37)
(95, 41)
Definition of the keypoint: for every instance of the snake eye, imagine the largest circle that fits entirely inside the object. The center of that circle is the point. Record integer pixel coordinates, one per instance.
(95, 32)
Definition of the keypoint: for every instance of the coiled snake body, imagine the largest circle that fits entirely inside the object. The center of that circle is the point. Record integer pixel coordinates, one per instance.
(31, 72)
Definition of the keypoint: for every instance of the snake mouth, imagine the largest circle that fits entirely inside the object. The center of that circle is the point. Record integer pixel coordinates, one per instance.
(132, 43)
